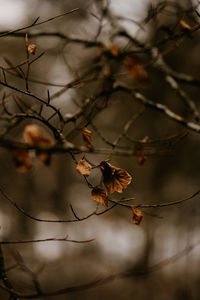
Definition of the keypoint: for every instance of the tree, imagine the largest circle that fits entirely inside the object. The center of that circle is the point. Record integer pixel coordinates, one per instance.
(115, 145)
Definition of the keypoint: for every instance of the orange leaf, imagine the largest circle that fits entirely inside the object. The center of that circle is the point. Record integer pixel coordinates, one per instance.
(34, 137)
(115, 179)
(87, 136)
(100, 195)
(141, 157)
(84, 168)
(22, 160)
(32, 48)
(137, 215)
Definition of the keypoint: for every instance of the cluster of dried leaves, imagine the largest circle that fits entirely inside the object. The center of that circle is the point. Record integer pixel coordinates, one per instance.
(114, 179)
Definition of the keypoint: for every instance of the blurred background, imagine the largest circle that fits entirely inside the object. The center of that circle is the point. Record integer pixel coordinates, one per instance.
(47, 191)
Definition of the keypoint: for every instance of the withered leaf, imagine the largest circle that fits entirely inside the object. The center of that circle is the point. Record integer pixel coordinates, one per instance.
(32, 48)
(141, 157)
(87, 137)
(22, 160)
(137, 215)
(33, 136)
(100, 195)
(83, 167)
(115, 179)
(136, 71)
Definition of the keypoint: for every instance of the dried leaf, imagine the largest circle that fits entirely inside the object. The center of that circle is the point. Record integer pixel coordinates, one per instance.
(32, 48)
(115, 179)
(136, 71)
(83, 167)
(100, 195)
(137, 215)
(87, 136)
(33, 136)
(22, 160)
(141, 157)
(185, 26)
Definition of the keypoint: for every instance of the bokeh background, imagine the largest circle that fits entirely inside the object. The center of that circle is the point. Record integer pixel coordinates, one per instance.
(48, 191)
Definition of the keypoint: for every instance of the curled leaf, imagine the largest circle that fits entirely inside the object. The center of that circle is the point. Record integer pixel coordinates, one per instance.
(22, 160)
(83, 167)
(137, 215)
(87, 137)
(100, 195)
(32, 48)
(115, 179)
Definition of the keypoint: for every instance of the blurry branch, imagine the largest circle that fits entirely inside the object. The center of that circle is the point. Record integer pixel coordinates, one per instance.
(36, 23)
(159, 107)
(3, 275)
(68, 147)
(170, 139)
(183, 95)
(106, 279)
(86, 43)
(167, 112)
(20, 261)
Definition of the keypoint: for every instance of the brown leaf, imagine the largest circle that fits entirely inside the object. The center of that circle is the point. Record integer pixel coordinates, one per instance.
(32, 48)
(34, 137)
(137, 215)
(115, 179)
(87, 136)
(141, 157)
(136, 71)
(83, 167)
(100, 195)
(22, 160)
